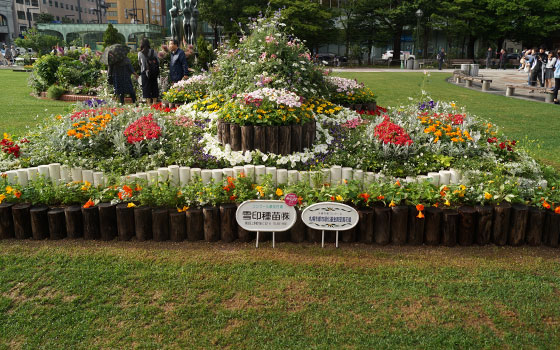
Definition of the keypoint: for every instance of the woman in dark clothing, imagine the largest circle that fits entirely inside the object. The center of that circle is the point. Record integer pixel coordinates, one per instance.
(148, 79)
(120, 75)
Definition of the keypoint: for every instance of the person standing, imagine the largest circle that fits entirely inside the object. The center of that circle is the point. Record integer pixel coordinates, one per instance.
(557, 77)
(149, 72)
(489, 56)
(503, 56)
(549, 69)
(536, 65)
(119, 75)
(178, 67)
(441, 58)
(544, 59)
(8, 55)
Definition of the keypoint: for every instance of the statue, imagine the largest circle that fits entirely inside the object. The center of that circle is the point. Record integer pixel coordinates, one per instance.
(175, 24)
(194, 21)
(187, 13)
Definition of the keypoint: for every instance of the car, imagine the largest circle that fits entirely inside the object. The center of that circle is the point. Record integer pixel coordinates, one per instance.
(327, 58)
(389, 55)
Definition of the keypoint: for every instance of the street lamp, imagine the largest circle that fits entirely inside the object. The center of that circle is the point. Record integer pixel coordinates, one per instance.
(29, 15)
(419, 14)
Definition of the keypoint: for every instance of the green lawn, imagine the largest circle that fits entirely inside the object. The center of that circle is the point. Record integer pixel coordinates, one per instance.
(18, 109)
(99, 295)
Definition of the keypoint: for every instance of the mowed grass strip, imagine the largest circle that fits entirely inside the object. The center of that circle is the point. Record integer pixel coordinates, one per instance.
(123, 295)
(535, 124)
(18, 109)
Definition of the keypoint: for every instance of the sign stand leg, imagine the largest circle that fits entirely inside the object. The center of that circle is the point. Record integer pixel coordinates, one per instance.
(337, 239)
(323, 239)
(273, 238)
(257, 239)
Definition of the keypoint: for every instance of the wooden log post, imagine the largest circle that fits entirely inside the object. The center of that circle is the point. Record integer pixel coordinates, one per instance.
(74, 221)
(312, 130)
(195, 224)
(296, 138)
(260, 138)
(228, 224)
(107, 221)
(22, 221)
(247, 137)
(6, 221)
(143, 223)
(219, 128)
(211, 223)
(284, 139)
(314, 235)
(449, 223)
(125, 222)
(57, 223)
(177, 226)
(160, 224)
(485, 224)
(535, 226)
(519, 219)
(415, 226)
(347, 236)
(500, 230)
(272, 139)
(467, 226)
(39, 222)
(235, 136)
(382, 228)
(432, 226)
(297, 232)
(366, 225)
(226, 135)
(552, 229)
(305, 134)
(91, 222)
(399, 224)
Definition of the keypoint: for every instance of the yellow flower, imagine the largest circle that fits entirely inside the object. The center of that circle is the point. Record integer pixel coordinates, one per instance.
(131, 205)
(447, 202)
(260, 189)
(339, 198)
(2, 197)
(279, 192)
(183, 209)
(392, 204)
(487, 196)
(9, 189)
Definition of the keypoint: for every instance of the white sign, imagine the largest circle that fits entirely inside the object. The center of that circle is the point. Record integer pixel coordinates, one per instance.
(265, 216)
(330, 216)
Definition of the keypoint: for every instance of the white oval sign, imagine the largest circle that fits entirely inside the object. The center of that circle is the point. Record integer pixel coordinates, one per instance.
(265, 216)
(330, 216)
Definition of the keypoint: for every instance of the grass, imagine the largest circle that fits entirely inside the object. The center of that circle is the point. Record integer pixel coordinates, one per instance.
(20, 110)
(75, 294)
(98, 295)
(536, 124)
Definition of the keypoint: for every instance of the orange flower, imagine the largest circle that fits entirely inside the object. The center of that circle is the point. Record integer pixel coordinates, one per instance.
(232, 198)
(392, 204)
(398, 183)
(419, 207)
(365, 196)
(138, 188)
(557, 210)
(420, 215)
(332, 198)
(380, 197)
(300, 200)
(17, 194)
(89, 204)
(545, 205)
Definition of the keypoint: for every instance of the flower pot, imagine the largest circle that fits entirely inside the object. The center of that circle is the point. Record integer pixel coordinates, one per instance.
(306, 136)
(247, 138)
(22, 220)
(415, 226)
(551, 232)
(535, 226)
(226, 133)
(449, 223)
(296, 138)
(235, 137)
(297, 232)
(219, 124)
(211, 223)
(519, 219)
(284, 139)
(244, 235)
(259, 137)
(358, 107)
(372, 106)
(91, 222)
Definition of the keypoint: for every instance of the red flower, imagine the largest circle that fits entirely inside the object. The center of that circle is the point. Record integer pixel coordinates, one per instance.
(392, 133)
(144, 128)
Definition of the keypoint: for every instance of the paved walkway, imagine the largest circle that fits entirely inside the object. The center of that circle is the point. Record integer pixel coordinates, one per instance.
(500, 78)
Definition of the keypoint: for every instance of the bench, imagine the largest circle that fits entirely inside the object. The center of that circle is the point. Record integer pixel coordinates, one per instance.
(459, 62)
(469, 80)
(549, 97)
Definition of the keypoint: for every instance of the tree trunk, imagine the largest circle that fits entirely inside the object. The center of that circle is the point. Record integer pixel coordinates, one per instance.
(485, 224)
(432, 225)
(519, 218)
(502, 215)
(22, 220)
(415, 227)
(91, 222)
(470, 47)
(467, 225)
(449, 223)
(396, 61)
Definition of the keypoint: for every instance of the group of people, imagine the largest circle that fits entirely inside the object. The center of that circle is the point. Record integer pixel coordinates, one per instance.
(542, 66)
(8, 55)
(120, 74)
(501, 55)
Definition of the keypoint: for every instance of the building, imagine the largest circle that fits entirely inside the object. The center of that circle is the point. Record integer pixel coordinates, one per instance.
(135, 11)
(26, 12)
(7, 28)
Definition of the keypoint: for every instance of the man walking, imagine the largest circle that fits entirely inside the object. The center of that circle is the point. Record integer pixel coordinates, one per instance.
(178, 67)
(440, 58)
(489, 56)
(503, 56)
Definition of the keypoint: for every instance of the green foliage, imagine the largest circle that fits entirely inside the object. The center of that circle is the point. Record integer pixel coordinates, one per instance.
(111, 36)
(44, 17)
(40, 43)
(205, 53)
(55, 91)
(133, 57)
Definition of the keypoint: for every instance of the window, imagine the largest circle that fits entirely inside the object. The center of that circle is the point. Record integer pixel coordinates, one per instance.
(35, 3)
(27, 2)
(71, 7)
(112, 13)
(50, 2)
(21, 15)
(3, 21)
(112, 21)
(35, 16)
(56, 4)
(19, 1)
(22, 28)
(44, 2)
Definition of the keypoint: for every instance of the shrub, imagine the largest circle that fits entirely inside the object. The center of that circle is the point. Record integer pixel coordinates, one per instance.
(55, 91)
(111, 36)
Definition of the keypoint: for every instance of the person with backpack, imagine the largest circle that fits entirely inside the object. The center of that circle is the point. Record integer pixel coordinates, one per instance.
(440, 58)
(149, 72)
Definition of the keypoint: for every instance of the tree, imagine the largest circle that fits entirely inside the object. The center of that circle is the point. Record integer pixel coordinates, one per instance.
(40, 43)
(44, 17)
(111, 36)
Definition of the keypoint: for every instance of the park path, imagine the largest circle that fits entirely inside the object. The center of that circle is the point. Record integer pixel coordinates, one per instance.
(500, 78)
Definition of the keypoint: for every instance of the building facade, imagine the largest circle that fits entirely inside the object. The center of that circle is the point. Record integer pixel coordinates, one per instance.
(135, 11)
(7, 27)
(26, 12)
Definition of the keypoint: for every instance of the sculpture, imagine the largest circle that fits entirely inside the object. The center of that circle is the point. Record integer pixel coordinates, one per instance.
(194, 21)
(187, 12)
(175, 25)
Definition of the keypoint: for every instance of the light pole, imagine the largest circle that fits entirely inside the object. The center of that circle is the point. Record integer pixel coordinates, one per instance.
(419, 14)
(29, 15)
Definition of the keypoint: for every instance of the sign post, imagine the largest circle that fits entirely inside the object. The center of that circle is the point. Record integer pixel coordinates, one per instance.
(330, 216)
(265, 216)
